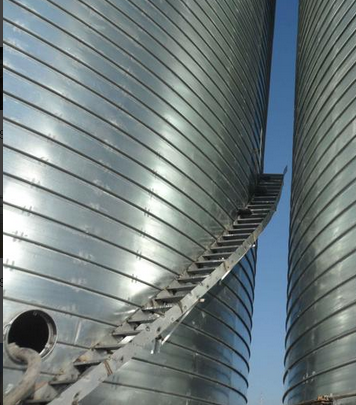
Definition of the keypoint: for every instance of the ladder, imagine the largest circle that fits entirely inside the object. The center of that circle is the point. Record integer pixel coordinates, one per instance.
(161, 314)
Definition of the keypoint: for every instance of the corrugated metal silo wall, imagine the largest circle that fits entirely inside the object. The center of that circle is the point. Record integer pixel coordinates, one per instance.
(132, 134)
(321, 320)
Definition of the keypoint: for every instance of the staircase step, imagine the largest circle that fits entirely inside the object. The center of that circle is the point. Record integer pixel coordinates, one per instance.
(237, 234)
(231, 242)
(257, 215)
(179, 286)
(142, 317)
(157, 308)
(244, 231)
(169, 297)
(89, 363)
(125, 330)
(270, 196)
(242, 228)
(252, 220)
(110, 346)
(225, 248)
(208, 263)
(261, 212)
(217, 255)
(260, 206)
(202, 270)
(193, 279)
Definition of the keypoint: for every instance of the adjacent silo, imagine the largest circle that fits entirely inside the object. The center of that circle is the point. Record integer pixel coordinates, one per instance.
(133, 132)
(321, 322)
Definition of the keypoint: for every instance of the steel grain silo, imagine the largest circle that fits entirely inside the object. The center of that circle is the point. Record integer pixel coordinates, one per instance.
(133, 133)
(321, 321)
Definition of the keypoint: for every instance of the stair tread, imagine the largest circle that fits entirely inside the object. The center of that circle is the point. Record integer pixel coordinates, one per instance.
(126, 332)
(233, 240)
(187, 279)
(209, 263)
(171, 297)
(231, 248)
(182, 287)
(86, 363)
(202, 270)
(157, 308)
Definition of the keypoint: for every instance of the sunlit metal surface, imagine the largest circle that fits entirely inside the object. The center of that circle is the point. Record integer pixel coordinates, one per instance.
(321, 325)
(133, 132)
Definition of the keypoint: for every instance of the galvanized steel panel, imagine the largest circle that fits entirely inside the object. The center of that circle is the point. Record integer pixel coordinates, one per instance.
(321, 320)
(133, 132)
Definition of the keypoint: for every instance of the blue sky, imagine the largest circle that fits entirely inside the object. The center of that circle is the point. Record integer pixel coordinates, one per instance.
(270, 302)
